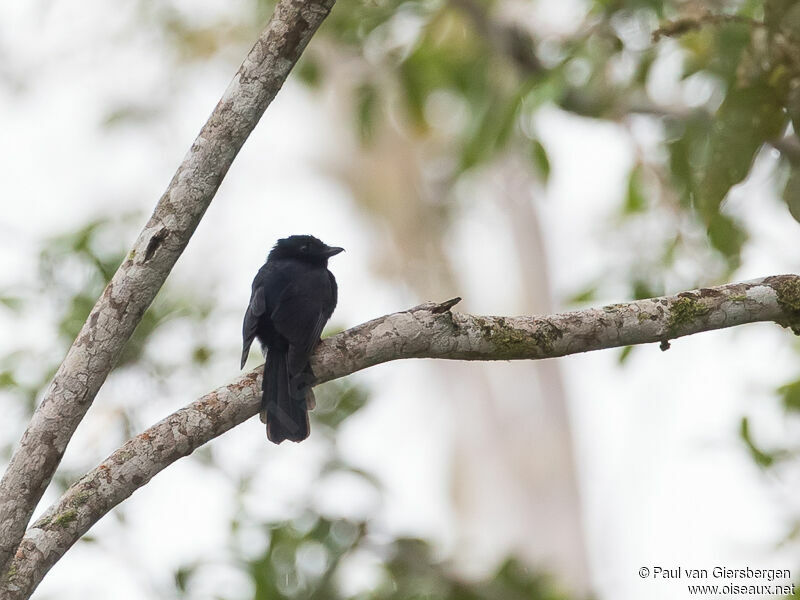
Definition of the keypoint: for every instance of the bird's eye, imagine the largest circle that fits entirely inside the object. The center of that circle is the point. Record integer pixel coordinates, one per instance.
(304, 248)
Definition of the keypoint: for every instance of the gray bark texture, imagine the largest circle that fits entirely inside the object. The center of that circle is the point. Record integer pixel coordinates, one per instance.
(427, 331)
(141, 275)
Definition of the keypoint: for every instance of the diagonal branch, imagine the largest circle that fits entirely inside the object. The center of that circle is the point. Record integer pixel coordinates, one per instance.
(426, 331)
(507, 39)
(154, 253)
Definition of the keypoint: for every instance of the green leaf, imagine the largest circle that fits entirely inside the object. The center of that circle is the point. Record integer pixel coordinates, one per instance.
(446, 60)
(791, 193)
(366, 111)
(643, 289)
(716, 50)
(336, 402)
(763, 459)
(585, 295)
(182, 577)
(309, 71)
(490, 132)
(727, 236)
(78, 309)
(687, 149)
(7, 380)
(747, 118)
(635, 200)
(793, 106)
(775, 12)
(790, 395)
(354, 21)
(540, 160)
(13, 303)
(202, 354)
(625, 354)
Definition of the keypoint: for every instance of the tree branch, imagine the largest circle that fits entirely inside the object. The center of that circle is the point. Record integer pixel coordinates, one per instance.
(788, 146)
(141, 275)
(684, 25)
(507, 39)
(426, 331)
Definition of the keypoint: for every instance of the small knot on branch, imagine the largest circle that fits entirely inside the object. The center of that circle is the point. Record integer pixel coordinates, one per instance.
(445, 306)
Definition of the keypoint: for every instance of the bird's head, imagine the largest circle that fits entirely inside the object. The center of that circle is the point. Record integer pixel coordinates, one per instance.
(304, 247)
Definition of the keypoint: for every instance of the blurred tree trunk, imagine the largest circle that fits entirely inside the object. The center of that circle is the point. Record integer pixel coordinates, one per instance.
(514, 485)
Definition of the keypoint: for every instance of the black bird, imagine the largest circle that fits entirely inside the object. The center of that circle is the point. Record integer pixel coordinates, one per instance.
(293, 296)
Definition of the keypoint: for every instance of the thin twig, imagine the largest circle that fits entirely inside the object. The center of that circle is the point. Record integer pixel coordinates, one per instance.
(684, 25)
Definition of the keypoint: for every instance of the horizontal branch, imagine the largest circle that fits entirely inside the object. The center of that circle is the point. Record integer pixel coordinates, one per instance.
(685, 25)
(426, 331)
(139, 278)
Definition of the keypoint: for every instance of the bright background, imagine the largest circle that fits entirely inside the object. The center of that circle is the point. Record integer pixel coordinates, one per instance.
(98, 104)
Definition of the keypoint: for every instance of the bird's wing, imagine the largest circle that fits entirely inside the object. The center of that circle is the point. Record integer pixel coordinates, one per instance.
(334, 294)
(255, 309)
(299, 317)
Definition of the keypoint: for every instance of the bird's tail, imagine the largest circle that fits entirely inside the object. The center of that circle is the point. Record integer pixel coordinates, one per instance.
(286, 417)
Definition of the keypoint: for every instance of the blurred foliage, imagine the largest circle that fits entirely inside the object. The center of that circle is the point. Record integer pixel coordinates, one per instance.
(761, 457)
(304, 555)
(467, 81)
(423, 61)
(73, 269)
(312, 555)
(305, 564)
(790, 395)
(420, 62)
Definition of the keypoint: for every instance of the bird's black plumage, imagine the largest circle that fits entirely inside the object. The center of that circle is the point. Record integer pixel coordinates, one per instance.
(293, 296)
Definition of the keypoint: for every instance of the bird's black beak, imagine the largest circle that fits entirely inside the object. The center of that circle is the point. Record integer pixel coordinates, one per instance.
(332, 251)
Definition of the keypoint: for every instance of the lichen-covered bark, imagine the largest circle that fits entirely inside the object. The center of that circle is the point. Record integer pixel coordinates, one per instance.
(426, 331)
(154, 253)
(420, 333)
(126, 470)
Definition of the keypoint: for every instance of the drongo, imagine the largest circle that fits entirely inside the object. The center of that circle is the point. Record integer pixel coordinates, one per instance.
(293, 296)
